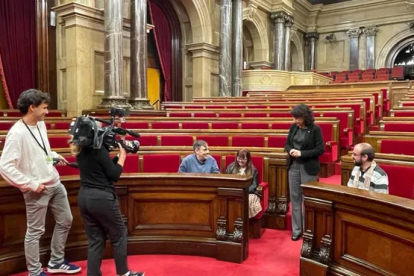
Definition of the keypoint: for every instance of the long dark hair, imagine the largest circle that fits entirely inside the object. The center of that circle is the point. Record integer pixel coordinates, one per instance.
(303, 111)
(244, 154)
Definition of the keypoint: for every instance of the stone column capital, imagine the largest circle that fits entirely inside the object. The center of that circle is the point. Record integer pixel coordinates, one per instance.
(370, 31)
(312, 36)
(288, 21)
(354, 33)
(278, 17)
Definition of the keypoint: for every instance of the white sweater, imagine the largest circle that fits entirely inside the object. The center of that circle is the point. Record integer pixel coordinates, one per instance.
(23, 162)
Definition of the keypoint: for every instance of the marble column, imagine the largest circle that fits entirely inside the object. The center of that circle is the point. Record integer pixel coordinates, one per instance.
(113, 82)
(312, 38)
(279, 42)
(139, 95)
(288, 27)
(225, 48)
(237, 62)
(370, 33)
(353, 48)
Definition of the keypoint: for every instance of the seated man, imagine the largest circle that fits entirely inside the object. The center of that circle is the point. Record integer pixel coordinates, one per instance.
(200, 161)
(367, 175)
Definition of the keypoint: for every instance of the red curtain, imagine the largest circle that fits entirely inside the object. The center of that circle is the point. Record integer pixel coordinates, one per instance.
(163, 41)
(18, 46)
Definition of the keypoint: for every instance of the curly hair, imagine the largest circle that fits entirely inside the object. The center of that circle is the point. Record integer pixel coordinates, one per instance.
(31, 97)
(303, 111)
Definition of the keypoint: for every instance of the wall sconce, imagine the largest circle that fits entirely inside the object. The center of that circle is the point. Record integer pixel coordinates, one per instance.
(330, 37)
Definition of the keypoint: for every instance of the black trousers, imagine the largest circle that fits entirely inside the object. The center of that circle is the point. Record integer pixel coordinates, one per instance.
(102, 218)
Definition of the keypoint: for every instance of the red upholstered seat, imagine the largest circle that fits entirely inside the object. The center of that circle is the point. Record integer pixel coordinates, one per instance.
(276, 141)
(215, 107)
(62, 125)
(6, 125)
(403, 113)
(254, 115)
(401, 180)
(205, 115)
(147, 140)
(218, 160)
(131, 164)
(397, 73)
(281, 125)
(229, 115)
(392, 126)
(248, 141)
(59, 142)
(165, 125)
(331, 146)
(224, 125)
(346, 133)
(177, 140)
(194, 125)
(135, 125)
(236, 107)
(255, 126)
(397, 147)
(179, 114)
(215, 141)
(66, 170)
(281, 114)
(161, 163)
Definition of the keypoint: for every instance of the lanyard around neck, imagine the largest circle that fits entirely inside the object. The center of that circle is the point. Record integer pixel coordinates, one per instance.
(44, 147)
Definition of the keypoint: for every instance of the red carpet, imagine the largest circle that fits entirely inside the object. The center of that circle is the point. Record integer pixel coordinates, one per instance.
(274, 254)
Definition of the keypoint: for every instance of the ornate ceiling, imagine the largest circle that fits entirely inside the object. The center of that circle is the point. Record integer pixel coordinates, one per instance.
(326, 2)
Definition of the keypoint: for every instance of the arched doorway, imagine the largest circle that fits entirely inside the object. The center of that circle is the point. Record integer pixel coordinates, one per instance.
(294, 57)
(248, 48)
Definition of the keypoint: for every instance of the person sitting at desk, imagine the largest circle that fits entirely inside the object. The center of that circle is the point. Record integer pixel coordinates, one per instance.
(200, 161)
(244, 166)
(367, 175)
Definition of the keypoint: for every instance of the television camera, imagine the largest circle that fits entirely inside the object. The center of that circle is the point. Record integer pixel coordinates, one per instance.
(87, 131)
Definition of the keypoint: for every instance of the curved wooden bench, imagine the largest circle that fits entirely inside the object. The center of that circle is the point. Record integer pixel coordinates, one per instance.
(188, 214)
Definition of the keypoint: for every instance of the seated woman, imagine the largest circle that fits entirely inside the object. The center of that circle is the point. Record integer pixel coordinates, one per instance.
(244, 166)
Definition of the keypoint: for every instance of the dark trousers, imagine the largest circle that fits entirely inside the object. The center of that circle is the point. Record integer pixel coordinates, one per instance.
(102, 218)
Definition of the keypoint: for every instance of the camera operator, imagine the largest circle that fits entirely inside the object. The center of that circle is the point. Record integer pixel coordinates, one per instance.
(99, 207)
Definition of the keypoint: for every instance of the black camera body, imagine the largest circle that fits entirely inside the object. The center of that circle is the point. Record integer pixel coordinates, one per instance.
(87, 132)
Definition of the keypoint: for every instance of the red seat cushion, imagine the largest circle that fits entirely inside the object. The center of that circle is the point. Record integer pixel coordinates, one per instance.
(224, 125)
(248, 141)
(162, 163)
(401, 180)
(135, 125)
(165, 125)
(179, 140)
(59, 142)
(62, 125)
(195, 125)
(131, 164)
(397, 147)
(391, 126)
(147, 140)
(255, 126)
(276, 141)
(6, 125)
(215, 141)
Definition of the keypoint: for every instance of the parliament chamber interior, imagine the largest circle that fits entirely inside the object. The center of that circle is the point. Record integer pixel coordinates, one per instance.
(228, 72)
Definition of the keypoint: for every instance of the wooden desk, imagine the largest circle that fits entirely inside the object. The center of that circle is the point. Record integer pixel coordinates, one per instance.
(355, 232)
(188, 214)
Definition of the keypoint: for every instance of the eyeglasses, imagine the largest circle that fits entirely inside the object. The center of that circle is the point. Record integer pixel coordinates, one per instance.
(241, 159)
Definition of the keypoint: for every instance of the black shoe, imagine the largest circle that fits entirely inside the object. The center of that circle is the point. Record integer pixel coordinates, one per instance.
(296, 238)
(137, 274)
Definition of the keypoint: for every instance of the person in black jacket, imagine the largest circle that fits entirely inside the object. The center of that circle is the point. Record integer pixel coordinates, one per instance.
(99, 207)
(304, 145)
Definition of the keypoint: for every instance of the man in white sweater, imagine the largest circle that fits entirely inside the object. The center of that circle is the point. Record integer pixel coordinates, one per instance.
(27, 163)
